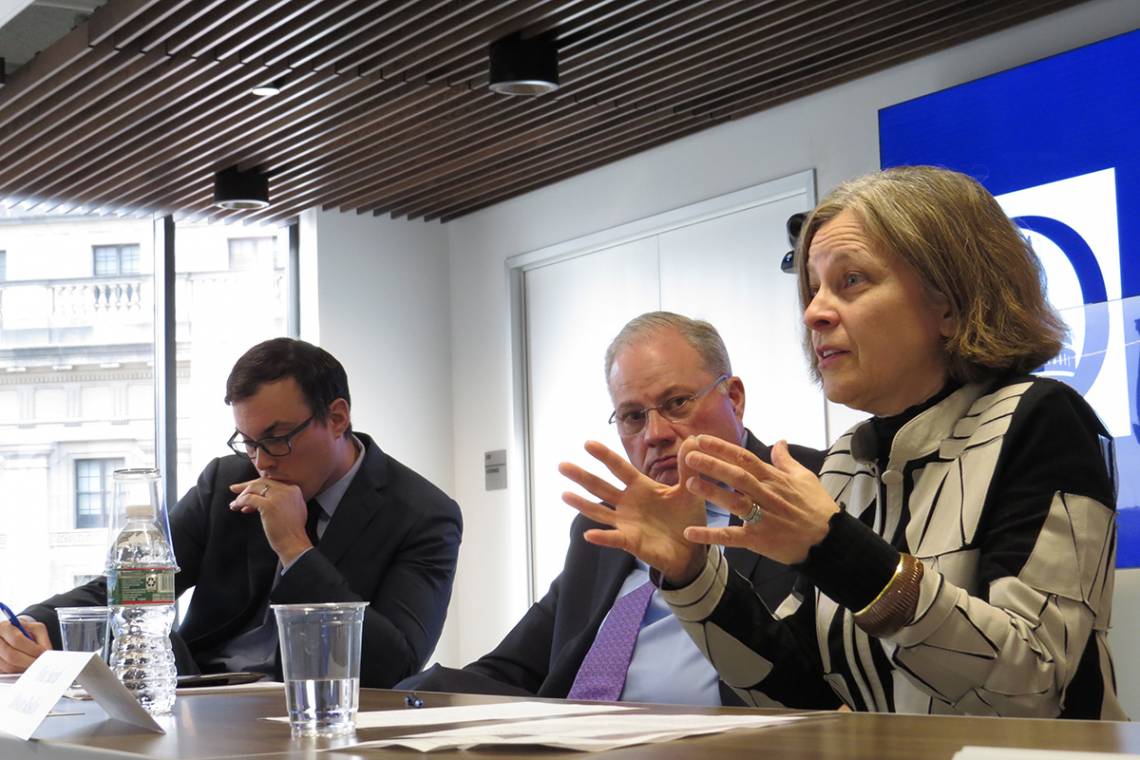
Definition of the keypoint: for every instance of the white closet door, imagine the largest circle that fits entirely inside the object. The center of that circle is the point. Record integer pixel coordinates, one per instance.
(726, 270)
(574, 308)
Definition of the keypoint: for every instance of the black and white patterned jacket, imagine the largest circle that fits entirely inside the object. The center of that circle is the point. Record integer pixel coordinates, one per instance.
(1006, 492)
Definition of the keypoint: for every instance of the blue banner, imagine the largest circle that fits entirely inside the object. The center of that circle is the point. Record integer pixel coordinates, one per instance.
(1057, 142)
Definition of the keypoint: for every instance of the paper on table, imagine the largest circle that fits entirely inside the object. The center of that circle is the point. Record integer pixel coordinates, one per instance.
(501, 711)
(25, 705)
(238, 688)
(589, 733)
(1006, 753)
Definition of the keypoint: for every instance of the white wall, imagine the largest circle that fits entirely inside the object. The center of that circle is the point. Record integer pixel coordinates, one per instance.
(382, 290)
(834, 131)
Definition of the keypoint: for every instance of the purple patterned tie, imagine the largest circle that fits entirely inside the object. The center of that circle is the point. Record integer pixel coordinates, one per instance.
(603, 670)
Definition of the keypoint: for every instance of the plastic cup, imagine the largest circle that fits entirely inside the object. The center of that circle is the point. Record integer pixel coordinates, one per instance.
(320, 658)
(84, 629)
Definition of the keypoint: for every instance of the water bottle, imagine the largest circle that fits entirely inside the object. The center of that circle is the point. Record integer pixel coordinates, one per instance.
(140, 591)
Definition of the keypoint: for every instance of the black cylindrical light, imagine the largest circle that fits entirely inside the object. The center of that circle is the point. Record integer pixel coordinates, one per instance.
(524, 67)
(241, 191)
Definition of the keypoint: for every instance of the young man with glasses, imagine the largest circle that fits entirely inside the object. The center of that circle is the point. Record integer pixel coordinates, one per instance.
(669, 378)
(306, 510)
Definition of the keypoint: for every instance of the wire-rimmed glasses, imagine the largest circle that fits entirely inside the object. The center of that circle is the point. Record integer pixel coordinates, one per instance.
(675, 409)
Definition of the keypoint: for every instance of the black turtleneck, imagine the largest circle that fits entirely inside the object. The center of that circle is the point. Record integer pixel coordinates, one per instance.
(852, 545)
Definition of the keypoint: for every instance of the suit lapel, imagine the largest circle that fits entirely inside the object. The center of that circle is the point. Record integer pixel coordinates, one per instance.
(613, 568)
(358, 507)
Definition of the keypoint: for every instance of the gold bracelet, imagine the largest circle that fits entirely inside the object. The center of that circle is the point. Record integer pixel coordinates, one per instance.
(895, 605)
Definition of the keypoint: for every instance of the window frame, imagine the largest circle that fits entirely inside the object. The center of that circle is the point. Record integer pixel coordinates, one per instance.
(106, 466)
(118, 250)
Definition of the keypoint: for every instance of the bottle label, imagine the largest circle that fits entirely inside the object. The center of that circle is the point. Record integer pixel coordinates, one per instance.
(140, 585)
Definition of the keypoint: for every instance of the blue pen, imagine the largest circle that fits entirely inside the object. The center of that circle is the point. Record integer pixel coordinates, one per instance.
(15, 620)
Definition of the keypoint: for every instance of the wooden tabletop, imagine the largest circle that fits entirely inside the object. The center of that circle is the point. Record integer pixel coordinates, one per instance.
(230, 726)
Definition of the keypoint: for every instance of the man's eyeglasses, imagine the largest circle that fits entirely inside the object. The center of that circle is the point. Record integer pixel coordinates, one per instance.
(674, 409)
(273, 445)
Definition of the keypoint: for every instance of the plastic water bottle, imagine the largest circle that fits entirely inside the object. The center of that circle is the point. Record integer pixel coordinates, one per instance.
(140, 592)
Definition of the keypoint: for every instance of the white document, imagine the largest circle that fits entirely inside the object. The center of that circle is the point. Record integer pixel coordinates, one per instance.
(240, 688)
(500, 711)
(590, 733)
(25, 704)
(1005, 753)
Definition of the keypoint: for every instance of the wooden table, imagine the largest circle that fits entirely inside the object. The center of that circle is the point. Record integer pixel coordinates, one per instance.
(229, 726)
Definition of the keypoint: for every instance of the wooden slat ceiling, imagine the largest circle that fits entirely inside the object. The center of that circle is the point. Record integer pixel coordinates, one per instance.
(386, 109)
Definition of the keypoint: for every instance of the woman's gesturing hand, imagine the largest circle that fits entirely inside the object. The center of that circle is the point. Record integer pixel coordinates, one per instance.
(788, 507)
(646, 518)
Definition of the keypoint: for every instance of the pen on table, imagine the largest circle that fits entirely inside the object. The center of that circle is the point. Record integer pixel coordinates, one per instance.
(411, 700)
(15, 620)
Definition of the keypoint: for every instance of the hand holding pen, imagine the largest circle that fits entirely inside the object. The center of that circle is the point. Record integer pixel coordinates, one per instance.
(21, 641)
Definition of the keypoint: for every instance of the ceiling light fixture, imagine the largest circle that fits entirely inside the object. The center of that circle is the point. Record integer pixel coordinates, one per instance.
(269, 89)
(241, 191)
(523, 67)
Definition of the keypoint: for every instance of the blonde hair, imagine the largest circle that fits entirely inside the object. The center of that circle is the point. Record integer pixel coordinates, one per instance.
(952, 232)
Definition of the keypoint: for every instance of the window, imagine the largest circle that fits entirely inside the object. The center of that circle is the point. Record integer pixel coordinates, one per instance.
(77, 355)
(252, 253)
(93, 491)
(249, 276)
(111, 260)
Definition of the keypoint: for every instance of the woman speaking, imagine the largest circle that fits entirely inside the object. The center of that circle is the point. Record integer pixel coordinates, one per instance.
(957, 550)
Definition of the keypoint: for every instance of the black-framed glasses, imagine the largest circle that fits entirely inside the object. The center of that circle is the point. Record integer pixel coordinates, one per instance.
(675, 409)
(273, 445)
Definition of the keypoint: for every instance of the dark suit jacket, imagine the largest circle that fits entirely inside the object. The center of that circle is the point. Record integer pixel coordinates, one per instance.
(392, 542)
(542, 653)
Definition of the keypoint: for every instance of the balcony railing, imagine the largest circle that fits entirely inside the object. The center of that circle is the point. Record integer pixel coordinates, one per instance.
(108, 310)
(54, 304)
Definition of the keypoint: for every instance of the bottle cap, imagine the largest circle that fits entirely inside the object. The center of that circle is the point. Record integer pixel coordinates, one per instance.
(140, 512)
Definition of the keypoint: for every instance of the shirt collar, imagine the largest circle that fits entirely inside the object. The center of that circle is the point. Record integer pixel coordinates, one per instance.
(330, 498)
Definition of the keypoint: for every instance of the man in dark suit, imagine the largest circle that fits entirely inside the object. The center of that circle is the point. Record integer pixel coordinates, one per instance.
(669, 378)
(305, 511)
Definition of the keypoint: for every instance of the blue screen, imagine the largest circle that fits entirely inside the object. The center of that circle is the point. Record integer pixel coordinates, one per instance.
(1058, 142)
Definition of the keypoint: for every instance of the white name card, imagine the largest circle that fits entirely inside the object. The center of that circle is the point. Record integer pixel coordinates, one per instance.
(25, 704)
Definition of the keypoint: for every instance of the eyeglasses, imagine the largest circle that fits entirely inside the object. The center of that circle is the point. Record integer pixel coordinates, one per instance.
(674, 409)
(273, 445)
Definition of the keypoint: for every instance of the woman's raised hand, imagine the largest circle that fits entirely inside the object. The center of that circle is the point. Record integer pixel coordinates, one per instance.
(792, 505)
(645, 518)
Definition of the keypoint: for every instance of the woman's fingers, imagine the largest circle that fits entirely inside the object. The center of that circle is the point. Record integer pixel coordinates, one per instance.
(684, 472)
(783, 460)
(729, 537)
(733, 454)
(591, 482)
(718, 470)
(596, 512)
(613, 539)
(614, 462)
(725, 498)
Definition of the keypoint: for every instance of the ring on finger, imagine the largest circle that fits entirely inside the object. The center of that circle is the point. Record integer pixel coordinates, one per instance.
(754, 515)
(264, 490)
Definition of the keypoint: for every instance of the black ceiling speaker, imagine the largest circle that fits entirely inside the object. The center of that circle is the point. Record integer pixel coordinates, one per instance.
(241, 191)
(524, 67)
